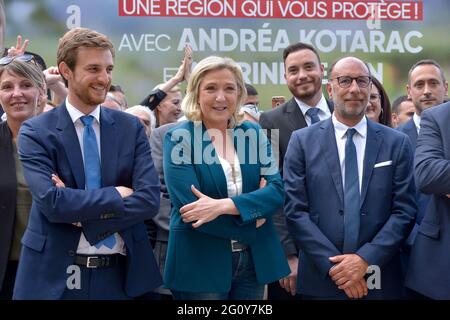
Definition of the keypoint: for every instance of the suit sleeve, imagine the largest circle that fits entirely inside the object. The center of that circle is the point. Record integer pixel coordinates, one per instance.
(263, 202)
(59, 205)
(143, 203)
(432, 169)
(162, 219)
(279, 219)
(100, 211)
(156, 143)
(296, 207)
(395, 231)
(180, 174)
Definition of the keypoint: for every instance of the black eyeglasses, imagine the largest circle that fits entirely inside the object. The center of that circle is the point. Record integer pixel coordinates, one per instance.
(8, 59)
(346, 81)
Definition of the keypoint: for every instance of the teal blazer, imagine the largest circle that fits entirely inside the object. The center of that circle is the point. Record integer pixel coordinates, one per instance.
(200, 260)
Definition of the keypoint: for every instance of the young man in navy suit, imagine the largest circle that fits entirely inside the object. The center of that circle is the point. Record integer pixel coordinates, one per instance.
(92, 187)
(304, 73)
(335, 174)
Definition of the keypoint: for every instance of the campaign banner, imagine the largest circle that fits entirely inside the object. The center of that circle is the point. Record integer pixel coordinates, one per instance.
(149, 35)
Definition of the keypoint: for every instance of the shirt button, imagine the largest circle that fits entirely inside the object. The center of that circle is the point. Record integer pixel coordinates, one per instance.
(71, 253)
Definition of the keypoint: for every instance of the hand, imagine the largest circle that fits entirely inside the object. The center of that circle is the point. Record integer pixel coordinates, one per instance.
(348, 270)
(57, 181)
(19, 49)
(179, 76)
(289, 283)
(124, 191)
(55, 83)
(187, 61)
(358, 291)
(60, 184)
(260, 222)
(448, 196)
(52, 76)
(205, 209)
(262, 183)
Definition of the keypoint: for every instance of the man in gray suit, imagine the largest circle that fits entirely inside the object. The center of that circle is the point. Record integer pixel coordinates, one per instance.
(162, 219)
(303, 72)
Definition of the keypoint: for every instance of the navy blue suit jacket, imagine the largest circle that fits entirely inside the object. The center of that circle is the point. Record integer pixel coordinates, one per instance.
(429, 263)
(409, 128)
(49, 144)
(314, 205)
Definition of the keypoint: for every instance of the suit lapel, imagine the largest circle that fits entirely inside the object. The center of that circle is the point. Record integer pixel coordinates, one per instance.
(411, 131)
(109, 149)
(373, 143)
(218, 180)
(330, 152)
(69, 138)
(330, 105)
(296, 120)
(245, 149)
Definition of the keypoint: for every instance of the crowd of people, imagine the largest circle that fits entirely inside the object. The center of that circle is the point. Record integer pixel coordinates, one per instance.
(188, 198)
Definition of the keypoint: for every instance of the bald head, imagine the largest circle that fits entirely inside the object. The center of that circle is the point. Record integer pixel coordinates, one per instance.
(344, 62)
(349, 87)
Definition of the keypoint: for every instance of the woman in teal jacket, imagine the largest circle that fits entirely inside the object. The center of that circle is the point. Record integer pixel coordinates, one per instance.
(224, 186)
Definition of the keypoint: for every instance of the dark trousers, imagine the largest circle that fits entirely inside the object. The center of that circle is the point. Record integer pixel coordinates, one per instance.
(276, 292)
(244, 284)
(8, 282)
(100, 284)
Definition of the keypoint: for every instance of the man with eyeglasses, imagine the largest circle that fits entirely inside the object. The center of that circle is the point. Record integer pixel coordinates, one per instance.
(304, 73)
(349, 199)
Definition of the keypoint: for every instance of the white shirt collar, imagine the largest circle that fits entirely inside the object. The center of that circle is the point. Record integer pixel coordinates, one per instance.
(341, 129)
(321, 105)
(76, 114)
(416, 119)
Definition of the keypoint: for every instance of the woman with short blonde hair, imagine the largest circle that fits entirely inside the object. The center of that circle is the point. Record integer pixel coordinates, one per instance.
(190, 104)
(224, 186)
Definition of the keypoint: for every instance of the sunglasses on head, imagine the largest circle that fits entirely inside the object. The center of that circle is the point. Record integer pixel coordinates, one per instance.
(8, 59)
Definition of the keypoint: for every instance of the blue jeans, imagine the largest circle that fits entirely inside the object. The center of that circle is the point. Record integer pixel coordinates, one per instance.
(244, 285)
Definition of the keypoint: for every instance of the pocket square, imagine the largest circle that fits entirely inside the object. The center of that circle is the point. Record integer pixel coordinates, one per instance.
(383, 164)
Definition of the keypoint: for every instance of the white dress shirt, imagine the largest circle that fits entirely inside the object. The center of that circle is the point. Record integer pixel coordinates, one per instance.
(416, 119)
(233, 175)
(359, 139)
(83, 245)
(324, 111)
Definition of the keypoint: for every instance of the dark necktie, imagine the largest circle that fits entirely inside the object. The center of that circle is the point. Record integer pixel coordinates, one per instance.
(351, 196)
(92, 169)
(313, 114)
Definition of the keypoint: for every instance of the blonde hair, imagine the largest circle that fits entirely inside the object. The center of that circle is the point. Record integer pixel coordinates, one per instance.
(190, 104)
(28, 70)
